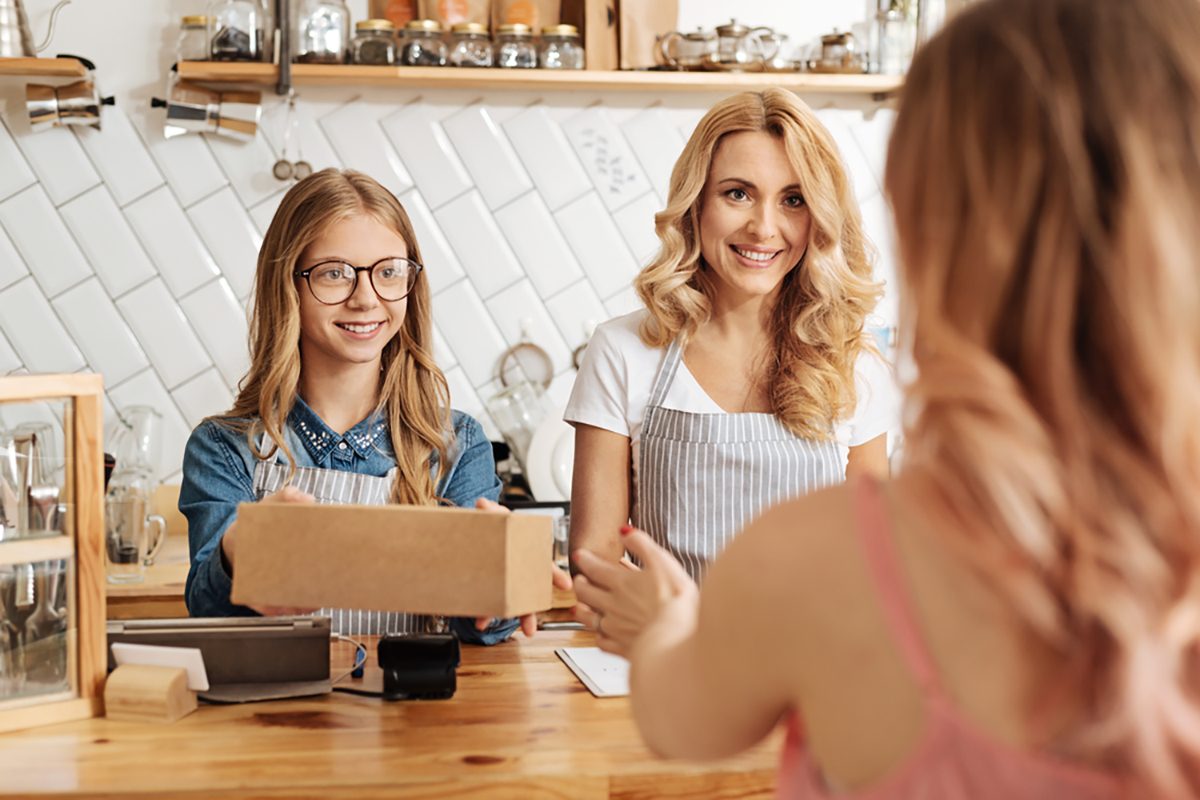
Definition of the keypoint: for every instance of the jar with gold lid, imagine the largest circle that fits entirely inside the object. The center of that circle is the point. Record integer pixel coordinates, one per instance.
(192, 44)
(374, 43)
(560, 48)
(423, 45)
(470, 45)
(515, 48)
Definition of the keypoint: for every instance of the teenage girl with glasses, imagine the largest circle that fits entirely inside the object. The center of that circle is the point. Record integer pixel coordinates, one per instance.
(342, 380)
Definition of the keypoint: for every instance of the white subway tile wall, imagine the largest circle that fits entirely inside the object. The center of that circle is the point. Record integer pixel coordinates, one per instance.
(607, 157)
(489, 157)
(133, 255)
(15, 173)
(119, 156)
(58, 161)
(106, 341)
(231, 237)
(165, 231)
(110, 245)
(43, 240)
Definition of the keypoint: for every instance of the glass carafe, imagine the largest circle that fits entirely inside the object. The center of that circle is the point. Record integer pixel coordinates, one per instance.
(135, 439)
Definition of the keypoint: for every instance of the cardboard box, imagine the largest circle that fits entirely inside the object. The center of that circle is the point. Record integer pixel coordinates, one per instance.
(641, 25)
(450, 561)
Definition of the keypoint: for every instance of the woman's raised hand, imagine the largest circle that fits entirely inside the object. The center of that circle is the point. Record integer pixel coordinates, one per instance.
(619, 602)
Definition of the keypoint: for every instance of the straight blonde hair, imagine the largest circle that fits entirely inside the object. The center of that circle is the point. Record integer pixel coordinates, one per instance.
(818, 320)
(1044, 172)
(413, 393)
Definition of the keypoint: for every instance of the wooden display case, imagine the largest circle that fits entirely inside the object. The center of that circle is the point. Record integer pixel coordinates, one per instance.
(71, 549)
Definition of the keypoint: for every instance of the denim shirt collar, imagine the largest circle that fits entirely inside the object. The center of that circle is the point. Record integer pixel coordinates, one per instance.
(318, 438)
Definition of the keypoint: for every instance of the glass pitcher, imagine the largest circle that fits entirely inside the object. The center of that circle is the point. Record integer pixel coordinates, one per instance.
(135, 439)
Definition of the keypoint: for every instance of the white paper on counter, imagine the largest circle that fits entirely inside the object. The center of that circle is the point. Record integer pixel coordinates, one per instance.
(155, 655)
(604, 674)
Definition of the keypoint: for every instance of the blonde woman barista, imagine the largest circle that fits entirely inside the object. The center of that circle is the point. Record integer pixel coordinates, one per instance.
(747, 379)
(343, 402)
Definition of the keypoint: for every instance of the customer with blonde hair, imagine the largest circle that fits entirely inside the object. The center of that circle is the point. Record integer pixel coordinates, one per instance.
(747, 379)
(1017, 614)
(343, 402)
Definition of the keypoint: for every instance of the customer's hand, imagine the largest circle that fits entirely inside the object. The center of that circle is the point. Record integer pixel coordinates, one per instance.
(560, 579)
(618, 602)
(288, 494)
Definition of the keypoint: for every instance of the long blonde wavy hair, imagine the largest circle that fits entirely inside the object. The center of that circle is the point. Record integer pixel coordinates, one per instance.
(817, 321)
(413, 393)
(1044, 171)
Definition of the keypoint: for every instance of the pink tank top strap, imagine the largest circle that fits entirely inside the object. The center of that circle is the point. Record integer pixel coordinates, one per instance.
(883, 562)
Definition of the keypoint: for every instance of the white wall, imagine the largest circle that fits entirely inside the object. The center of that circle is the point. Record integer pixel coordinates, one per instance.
(131, 255)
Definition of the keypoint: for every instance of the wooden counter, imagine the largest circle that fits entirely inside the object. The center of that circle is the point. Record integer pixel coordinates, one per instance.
(521, 725)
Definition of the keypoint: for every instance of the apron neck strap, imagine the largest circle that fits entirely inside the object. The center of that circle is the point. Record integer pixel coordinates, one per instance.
(667, 370)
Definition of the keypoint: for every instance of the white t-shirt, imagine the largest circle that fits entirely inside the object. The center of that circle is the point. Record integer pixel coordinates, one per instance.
(613, 387)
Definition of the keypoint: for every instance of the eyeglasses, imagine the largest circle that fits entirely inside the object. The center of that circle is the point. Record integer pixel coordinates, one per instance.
(334, 282)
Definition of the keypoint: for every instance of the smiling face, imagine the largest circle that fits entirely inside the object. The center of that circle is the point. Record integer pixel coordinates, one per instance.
(356, 331)
(754, 223)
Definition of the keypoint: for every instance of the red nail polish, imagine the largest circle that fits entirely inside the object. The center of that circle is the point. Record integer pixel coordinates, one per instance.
(626, 530)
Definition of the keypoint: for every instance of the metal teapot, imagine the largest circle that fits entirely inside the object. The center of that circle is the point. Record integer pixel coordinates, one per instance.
(16, 40)
(76, 103)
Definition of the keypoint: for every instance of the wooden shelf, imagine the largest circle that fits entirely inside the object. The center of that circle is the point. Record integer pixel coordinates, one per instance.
(537, 79)
(42, 67)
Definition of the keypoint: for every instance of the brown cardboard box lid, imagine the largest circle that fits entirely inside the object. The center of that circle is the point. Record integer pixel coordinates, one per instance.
(450, 561)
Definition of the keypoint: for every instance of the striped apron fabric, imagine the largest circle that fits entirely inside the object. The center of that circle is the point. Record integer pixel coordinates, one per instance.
(704, 477)
(333, 487)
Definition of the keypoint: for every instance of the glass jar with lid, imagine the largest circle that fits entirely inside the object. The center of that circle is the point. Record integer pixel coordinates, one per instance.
(560, 48)
(192, 44)
(470, 45)
(236, 30)
(374, 42)
(321, 32)
(515, 48)
(423, 45)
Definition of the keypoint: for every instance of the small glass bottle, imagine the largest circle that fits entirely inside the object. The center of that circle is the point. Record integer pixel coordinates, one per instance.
(192, 44)
(515, 48)
(470, 45)
(560, 48)
(374, 43)
(322, 32)
(423, 45)
(235, 30)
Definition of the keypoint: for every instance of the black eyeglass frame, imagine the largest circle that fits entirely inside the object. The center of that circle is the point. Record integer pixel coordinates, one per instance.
(305, 273)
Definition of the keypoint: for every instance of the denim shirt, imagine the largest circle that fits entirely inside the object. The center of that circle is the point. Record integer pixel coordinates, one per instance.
(218, 470)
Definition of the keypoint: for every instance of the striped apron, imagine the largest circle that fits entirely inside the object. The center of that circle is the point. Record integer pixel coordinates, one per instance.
(704, 477)
(333, 487)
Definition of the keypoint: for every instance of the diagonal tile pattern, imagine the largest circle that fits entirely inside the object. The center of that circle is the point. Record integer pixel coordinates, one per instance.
(133, 255)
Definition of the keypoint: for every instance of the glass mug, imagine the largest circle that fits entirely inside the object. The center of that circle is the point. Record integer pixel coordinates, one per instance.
(132, 536)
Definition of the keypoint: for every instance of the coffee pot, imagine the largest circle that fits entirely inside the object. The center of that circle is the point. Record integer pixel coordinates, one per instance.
(16, 40)
(76, 103)
(192, 108)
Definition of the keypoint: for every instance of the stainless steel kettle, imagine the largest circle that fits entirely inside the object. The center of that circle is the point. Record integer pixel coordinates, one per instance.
(16, 41)
(75, 103)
